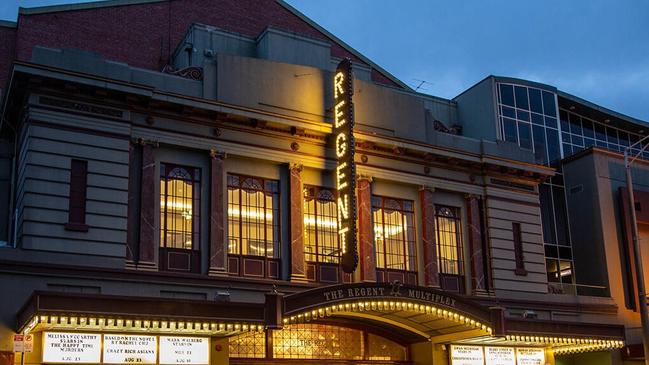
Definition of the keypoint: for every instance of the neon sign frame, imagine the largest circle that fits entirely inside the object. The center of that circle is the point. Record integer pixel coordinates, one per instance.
(345, 174)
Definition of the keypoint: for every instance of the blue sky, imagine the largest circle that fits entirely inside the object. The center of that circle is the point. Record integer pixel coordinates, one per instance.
(594, 49)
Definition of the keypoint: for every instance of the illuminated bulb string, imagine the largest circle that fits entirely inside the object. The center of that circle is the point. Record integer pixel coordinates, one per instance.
(363, 306)
(143, 325)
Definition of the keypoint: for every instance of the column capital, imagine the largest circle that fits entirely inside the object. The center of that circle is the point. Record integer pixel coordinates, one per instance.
(221, 155)
(295, 166)
(427, 188)
(365, 177)
(472, 196)
(145, 142)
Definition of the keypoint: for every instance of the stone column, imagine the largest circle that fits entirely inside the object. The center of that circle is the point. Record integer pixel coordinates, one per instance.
(366, 230)
(298, 264)
(431, 269)
(479, 279)
(148, 202)
(218, 249)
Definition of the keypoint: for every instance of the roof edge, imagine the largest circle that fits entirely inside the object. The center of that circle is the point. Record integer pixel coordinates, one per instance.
(82, 6)
(601, 109)
(8, 24)
(343, 44)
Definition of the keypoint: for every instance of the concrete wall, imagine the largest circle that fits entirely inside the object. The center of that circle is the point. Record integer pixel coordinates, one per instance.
(588, 245)
(476, 111)
(46, 148)
(501, 213)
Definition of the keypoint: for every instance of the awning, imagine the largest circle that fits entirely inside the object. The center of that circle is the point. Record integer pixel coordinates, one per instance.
(441, 317)
(75, 311)
(410, 313)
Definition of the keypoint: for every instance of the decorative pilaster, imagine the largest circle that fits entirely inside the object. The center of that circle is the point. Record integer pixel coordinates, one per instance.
(218, 252)
(479, 279)
(132, 212)
(148, 246)
(298, 264)
(431, 269)
(365, 229)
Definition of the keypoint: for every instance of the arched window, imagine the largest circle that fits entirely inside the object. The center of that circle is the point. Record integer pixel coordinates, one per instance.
(179, 207)
(253, 226)
(449, 247)
(179, 218)
(321, 244)
(394, 238)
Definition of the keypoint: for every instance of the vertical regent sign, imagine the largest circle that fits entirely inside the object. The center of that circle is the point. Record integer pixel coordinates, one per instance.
(343, 131)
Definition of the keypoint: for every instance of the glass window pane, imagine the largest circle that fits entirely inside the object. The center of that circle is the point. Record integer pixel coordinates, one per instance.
(540, 155)
(537, 119)
(509, 126)
(552, 267)
(509, 112)
(521, 97)
(611, 135)
(554, 151)
(449, 243)
(567, 149)
(560, 211)
(551, 122)
(536, 104)
(551, 251)
(565, 271)
(624, 138)
(525, 135)
(547, 214)
(575, 124)
(588, 128)
(523, 115)
(600, 132)
(578, 141)
(549, 106)
(507, 94)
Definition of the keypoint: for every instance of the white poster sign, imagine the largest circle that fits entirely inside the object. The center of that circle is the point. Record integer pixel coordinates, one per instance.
(130, 349)
(184, 350)
(500, 355)
(530, 356)
(71, 347)
(467, 355)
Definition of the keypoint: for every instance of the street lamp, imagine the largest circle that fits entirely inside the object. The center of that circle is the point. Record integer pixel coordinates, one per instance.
(629, 158)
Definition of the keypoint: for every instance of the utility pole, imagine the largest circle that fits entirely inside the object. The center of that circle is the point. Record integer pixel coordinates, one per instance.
(639, 272)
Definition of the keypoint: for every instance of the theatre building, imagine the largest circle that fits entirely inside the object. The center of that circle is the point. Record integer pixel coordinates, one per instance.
(226, 182)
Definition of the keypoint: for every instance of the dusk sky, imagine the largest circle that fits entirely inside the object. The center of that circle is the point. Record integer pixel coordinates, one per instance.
(597, 50)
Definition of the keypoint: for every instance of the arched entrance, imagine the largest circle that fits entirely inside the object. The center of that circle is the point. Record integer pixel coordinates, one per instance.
(363, 323)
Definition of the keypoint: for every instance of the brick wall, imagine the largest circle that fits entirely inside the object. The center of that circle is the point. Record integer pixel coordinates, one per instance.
(144, 35)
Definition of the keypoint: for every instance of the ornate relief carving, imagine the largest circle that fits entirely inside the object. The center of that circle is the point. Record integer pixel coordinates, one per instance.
(192, 73)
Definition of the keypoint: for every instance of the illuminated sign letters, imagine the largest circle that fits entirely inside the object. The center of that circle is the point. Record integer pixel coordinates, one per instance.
(345, 174)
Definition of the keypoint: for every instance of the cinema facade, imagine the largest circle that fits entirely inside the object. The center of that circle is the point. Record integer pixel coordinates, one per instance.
(272, 199)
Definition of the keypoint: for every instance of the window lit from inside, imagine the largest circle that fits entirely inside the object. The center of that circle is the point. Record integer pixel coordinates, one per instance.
(253, 226)
(321, 244)
(179, 207)
(449, 248)
(394, 235)
(179, 218)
